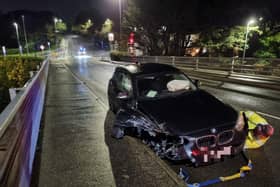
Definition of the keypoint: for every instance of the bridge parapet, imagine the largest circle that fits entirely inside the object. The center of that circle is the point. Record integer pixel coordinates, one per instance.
(19, 129)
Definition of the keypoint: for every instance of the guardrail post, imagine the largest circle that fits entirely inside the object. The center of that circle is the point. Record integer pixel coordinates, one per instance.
(196, 63)
(173, 60)
(156, 59)
(31, 74)
(232, 65)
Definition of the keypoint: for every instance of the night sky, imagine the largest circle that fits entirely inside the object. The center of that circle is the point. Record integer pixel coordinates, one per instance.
(109, 8)
(64, 8)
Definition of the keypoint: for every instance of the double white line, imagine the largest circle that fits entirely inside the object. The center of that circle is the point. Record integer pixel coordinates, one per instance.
(269, 115)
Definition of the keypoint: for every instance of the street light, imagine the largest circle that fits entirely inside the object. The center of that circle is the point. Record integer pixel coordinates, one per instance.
(25, 35)
(120, 14)
(250, 22)
(55, 20)
(19, 46)
(4, 51)
(49, 45)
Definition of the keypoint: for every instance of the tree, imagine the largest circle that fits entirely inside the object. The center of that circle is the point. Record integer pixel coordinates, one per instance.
(107, 27)
(269, 43)
(88, 21)
(83, 28)
(212, 39)
(227, 40)
(60, 26)
(160, 25)
(236, 37)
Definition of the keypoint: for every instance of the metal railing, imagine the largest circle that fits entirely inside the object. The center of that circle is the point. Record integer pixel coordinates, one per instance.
(231, 65)
(19, 129)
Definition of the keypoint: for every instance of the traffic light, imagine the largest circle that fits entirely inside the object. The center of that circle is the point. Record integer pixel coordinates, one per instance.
(131, 39)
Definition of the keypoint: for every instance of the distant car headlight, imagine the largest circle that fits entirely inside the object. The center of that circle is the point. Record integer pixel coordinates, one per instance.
(240, 123)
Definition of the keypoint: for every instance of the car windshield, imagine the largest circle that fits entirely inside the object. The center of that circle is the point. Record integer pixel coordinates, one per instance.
(163, 85)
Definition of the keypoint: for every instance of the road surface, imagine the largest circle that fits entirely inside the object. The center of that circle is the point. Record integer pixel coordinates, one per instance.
(95, 75)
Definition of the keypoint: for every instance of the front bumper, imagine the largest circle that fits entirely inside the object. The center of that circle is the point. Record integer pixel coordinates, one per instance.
(206, 155)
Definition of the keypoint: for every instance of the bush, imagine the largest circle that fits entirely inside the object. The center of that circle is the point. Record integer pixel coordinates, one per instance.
(262, 62)
(118, 55)
(14, 73)
(264, 54)
(12, 51)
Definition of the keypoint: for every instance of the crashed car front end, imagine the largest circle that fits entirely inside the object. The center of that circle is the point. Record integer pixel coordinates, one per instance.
(200, 147)
(210, 148)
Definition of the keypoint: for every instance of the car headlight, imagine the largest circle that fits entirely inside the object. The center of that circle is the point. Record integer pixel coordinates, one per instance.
(240, 123)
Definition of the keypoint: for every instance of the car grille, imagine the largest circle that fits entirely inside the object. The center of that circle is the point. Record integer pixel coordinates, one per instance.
(225, 137)
(206, 141)
(211, 141)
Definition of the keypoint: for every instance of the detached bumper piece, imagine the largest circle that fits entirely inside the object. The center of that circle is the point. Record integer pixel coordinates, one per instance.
(243, 171)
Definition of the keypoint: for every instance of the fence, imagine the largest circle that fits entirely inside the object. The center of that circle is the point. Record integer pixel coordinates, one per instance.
(250, 66)
(19, 129)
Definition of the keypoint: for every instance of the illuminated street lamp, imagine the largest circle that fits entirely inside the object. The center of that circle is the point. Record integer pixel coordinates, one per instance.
(55, 20)
(19, 46)
(42, 47)
(49, 45)
(4, 51)
(250, 22)
(25, 35)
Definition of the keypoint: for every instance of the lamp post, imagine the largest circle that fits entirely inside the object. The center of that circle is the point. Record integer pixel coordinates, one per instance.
(25, 35)
(19, 46)
(120, 14)
(252, 21)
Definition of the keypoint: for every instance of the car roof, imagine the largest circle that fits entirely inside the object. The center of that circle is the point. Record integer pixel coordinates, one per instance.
(149, 68)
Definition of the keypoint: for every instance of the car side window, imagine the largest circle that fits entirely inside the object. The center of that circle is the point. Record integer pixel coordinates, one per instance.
(124, 83)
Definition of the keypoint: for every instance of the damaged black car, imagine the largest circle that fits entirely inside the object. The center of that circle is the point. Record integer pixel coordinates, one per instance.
(167, 110)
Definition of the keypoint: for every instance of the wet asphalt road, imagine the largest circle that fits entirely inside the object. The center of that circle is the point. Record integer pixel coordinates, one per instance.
(128, 159)
(75, 144)
(266, 164)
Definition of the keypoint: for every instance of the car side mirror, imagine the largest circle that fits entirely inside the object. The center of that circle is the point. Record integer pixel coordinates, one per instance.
(123, 95)
(197, 83)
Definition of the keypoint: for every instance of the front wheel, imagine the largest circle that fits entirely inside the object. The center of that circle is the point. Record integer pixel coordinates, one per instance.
(112, 107)
(117, 132)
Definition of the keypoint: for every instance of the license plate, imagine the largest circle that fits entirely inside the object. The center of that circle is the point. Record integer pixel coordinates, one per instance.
(217, 154)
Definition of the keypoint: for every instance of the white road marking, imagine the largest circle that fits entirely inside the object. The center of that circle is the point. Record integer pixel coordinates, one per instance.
(269, 115)
(90, 90)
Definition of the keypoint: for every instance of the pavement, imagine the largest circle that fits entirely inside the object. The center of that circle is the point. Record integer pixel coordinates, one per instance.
(75, 146)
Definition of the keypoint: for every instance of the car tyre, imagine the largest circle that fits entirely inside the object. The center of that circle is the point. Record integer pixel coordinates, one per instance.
(117, 132)
(112, 107)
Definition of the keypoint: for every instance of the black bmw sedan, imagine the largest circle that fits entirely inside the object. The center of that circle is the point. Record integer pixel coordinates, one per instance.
(167, 110)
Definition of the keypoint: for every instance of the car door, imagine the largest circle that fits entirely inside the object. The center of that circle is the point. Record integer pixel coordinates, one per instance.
(121, 90)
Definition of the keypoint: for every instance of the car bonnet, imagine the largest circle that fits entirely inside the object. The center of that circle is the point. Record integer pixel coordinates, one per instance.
(189, 112)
